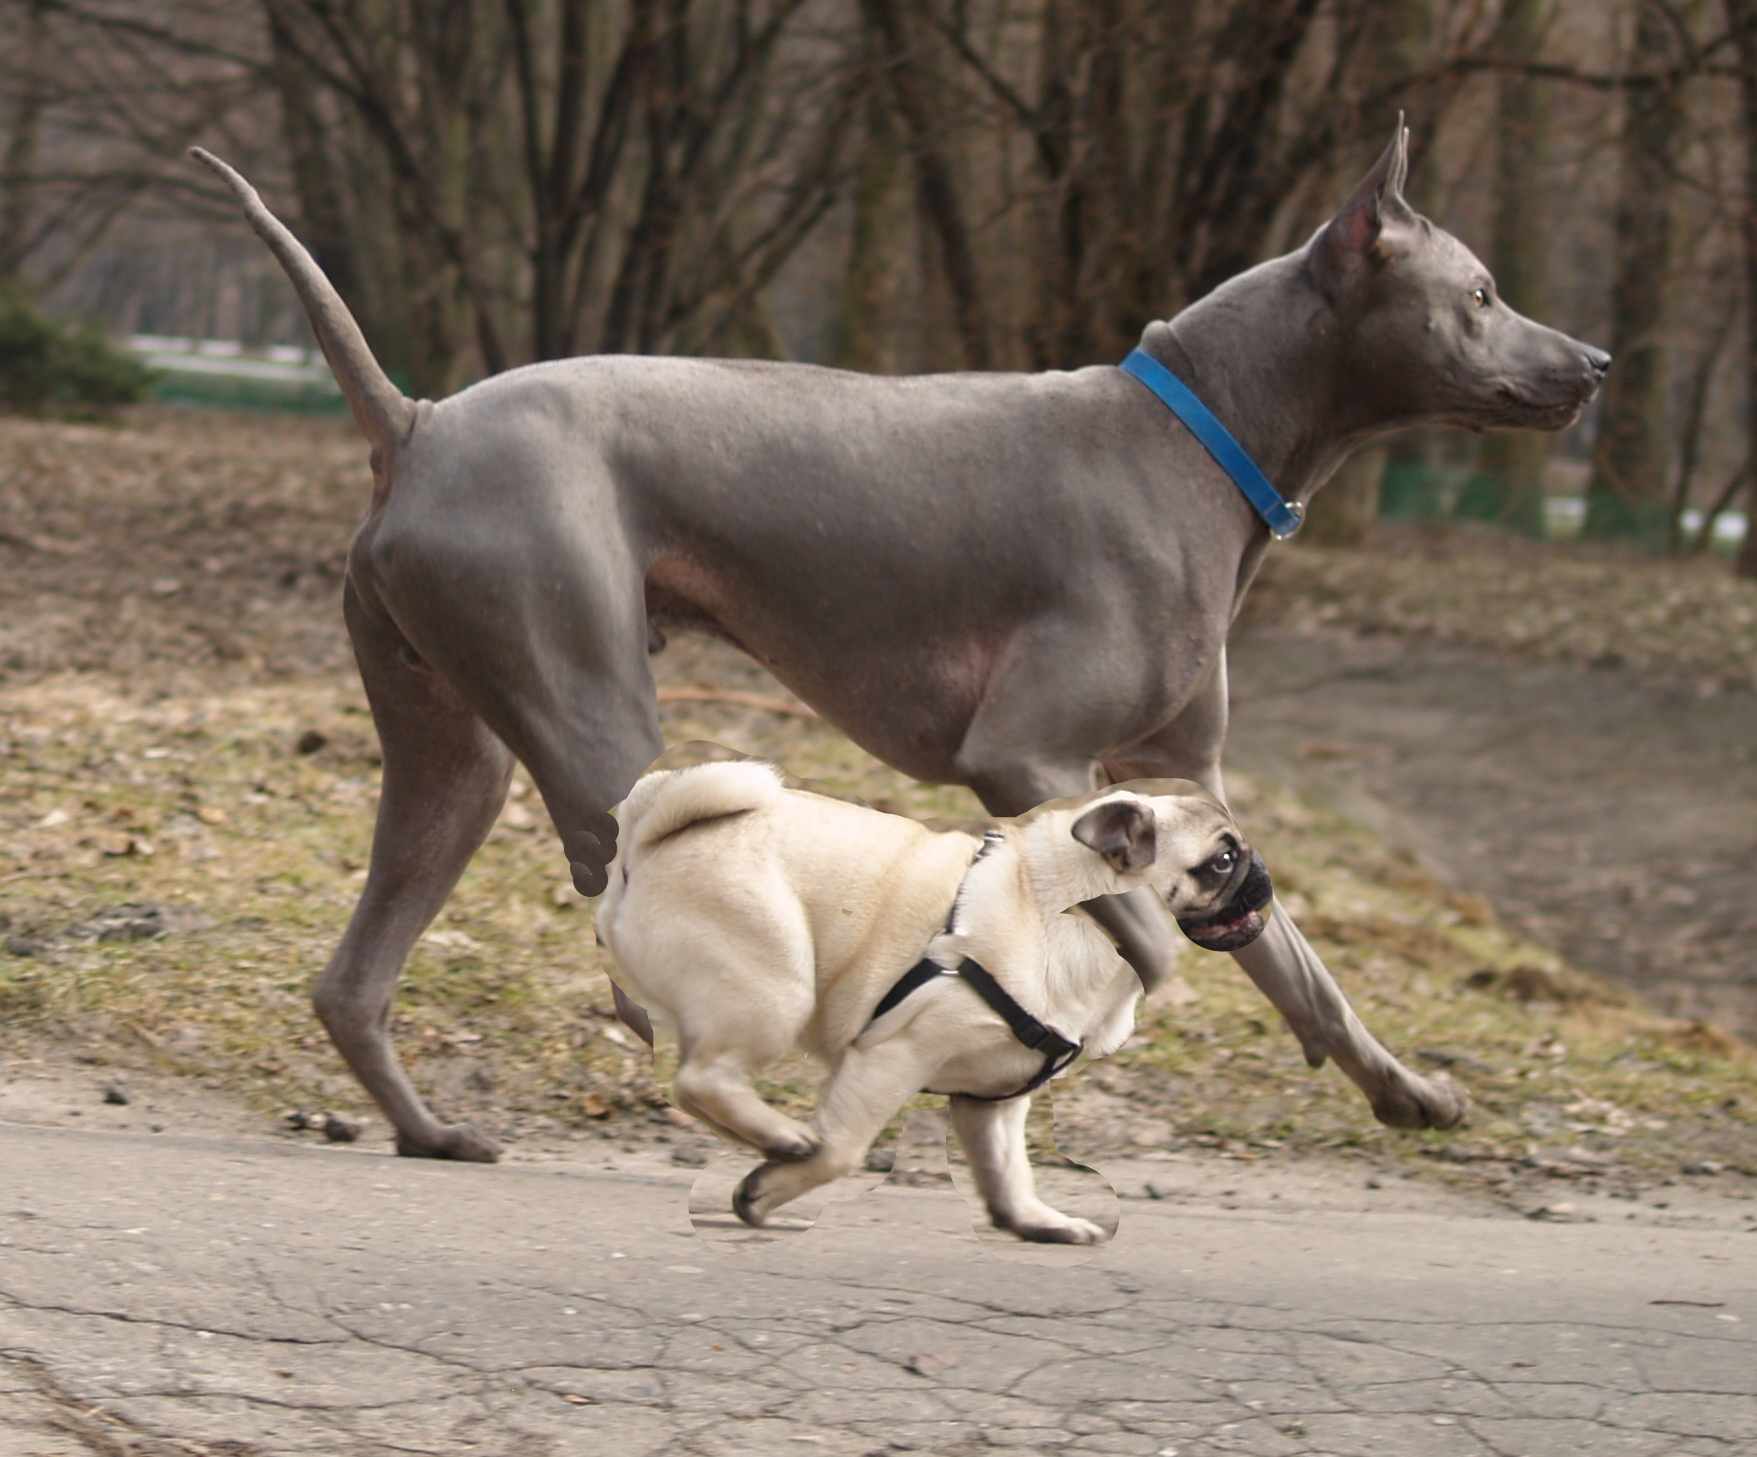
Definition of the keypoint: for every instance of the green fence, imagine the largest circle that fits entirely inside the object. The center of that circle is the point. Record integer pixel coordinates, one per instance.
(221, 375)
(1413, 490)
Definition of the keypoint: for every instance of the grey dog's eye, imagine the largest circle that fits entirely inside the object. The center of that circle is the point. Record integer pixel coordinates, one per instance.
(1222, 863)
(1480, 297)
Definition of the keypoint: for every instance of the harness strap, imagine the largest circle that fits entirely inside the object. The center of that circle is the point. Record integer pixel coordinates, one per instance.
(1057, 1051)
(918, 976)
(1283, 517)
(1025, 1027)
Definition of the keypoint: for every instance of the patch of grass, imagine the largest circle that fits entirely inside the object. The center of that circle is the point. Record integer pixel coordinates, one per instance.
(180, 733)
(1567, 1074)
(208, 804)
(1684, 622)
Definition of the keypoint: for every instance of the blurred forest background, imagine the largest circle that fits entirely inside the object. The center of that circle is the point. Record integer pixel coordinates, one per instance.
(906, 185)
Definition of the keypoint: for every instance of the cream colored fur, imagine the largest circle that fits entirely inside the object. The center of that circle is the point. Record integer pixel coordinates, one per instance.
(748, 919)
(662, 804)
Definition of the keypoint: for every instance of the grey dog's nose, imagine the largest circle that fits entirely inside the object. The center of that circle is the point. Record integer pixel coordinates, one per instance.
(1598, 359)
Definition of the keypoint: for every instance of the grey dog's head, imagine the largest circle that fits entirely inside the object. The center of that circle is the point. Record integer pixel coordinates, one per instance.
(1423, 329)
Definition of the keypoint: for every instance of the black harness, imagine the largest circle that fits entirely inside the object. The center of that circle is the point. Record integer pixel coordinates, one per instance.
(1057, 1051)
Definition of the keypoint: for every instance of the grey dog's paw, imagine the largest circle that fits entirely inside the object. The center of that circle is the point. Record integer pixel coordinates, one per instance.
(457, 1141)
(1419, 1102)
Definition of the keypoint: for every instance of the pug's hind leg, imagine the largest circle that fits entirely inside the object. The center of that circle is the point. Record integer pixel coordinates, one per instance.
(993, 1135)
(714, 1084)
(864, 1095)
(731, 1033)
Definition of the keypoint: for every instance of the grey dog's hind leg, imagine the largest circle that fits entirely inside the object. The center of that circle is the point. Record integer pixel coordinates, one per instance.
(632, 1014)
(445, 780)
(543, 631)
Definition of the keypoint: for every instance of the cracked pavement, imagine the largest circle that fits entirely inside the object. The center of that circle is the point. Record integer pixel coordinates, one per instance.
(181, 1295)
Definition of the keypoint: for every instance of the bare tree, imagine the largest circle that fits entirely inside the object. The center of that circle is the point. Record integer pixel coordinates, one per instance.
(506, 180)
(867, 330)
(1400, 40)
(1628, 495)
(96, 106)
(1085, 165)
(1509, 485)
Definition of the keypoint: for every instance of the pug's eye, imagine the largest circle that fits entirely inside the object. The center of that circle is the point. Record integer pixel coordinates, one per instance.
(1222, 863)
(1480, 297)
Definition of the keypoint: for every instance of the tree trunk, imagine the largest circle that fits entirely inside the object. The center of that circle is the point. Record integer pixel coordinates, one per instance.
(19, 162)
(1342, 513)
(938, 191)
(1242, 176)
(1508, 486)
(1628, 496)
(1742, 17)
(866, 337)
(324, 225)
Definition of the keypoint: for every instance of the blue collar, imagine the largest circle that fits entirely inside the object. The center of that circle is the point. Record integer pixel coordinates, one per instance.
(1282, 516)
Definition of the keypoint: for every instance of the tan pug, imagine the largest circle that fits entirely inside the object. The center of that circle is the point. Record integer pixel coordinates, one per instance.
(749, 918)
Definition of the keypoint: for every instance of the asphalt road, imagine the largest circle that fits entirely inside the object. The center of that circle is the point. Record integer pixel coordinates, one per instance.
(166, 1294)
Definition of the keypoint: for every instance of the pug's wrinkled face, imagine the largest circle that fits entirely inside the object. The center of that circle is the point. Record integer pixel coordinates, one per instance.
(1190, 850)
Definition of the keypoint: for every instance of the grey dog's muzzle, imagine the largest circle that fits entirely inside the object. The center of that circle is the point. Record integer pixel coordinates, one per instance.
(1242, 919)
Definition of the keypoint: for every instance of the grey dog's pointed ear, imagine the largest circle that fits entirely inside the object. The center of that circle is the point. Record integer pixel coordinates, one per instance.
(1359, 224)
(1122, 831)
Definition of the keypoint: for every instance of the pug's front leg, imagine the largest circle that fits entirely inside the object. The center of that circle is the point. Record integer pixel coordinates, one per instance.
(993, 1135)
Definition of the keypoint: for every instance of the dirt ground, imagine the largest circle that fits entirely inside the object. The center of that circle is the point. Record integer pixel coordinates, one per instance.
(188, 771)
(1606, 816)
(1570, 732)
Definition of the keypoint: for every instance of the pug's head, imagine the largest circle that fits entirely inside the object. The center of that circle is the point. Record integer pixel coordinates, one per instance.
(1176, 838)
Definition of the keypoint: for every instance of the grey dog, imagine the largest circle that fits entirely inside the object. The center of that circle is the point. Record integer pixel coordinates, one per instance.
(1019, 583)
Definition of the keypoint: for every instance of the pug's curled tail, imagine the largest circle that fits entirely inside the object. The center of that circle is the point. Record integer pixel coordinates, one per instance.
(660, 805)
(384, 413)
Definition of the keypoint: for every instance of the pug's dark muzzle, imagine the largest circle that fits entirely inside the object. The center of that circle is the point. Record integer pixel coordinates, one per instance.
(1242, 919)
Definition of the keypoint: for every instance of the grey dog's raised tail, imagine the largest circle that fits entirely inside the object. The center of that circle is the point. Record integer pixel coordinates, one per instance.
(383, 412)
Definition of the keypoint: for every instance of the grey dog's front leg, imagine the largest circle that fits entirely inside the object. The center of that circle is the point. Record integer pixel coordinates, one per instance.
(1281, 962)
(1292, 976)
(1289, 973)
(1143, 931)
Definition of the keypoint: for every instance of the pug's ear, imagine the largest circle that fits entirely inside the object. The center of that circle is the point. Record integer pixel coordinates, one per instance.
(1122, 831)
